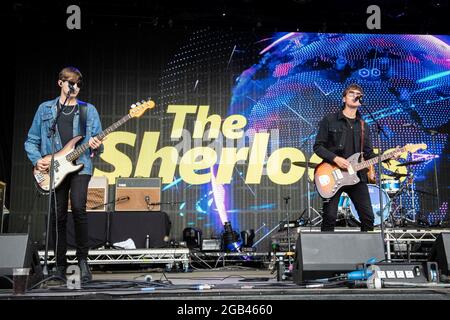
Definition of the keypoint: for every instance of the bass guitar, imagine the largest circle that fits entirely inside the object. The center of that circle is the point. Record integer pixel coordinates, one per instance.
(64, 161)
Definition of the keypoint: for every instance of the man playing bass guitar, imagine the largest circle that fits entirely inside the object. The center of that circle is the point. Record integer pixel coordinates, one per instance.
(73, 118)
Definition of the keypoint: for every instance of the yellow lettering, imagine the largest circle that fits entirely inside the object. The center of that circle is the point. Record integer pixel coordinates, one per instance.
(228, 159)
(275, 162)
(257, 158)
(148, 155)
(121, 162)
(180, 116)
(234, 122)
(202, 120)
(189, 164)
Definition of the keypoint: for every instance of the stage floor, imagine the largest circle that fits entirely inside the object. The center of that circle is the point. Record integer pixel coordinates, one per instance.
(231, 283)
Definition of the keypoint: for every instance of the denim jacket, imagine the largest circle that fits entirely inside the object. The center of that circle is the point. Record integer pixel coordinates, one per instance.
(38, 144)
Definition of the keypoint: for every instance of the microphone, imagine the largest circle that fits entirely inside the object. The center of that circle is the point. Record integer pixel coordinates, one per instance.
(71, 88)
(147, 201)
(360, 98)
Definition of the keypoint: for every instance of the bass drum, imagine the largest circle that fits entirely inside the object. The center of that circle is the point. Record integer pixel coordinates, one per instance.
(375, 201)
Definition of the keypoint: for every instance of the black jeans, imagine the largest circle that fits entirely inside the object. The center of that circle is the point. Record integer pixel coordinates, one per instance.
(78, 186)
(359, 194)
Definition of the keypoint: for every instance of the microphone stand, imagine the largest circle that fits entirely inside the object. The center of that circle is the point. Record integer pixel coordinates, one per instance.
(433, 138)
(309, 221)
(379, 132)
(107, 244)
(433, 134)
(169, 203)
(51, 135)
(289, 253)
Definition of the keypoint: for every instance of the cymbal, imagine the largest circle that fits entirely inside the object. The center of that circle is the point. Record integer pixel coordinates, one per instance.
(396, 175)
(410, 163)
(303, 164)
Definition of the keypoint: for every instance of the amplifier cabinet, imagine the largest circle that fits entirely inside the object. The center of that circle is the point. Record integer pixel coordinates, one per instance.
(138, 194)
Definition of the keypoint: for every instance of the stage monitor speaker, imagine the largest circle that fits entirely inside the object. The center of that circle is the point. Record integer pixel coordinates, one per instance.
(327, 254)
(97, 195)
(440, 253)
(139, 192)
(16, 251)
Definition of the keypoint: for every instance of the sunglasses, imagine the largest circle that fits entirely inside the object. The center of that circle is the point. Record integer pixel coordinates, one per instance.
(79, 83)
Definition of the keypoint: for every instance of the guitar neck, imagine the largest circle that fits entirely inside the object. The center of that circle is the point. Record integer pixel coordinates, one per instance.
(75, 154)
(367, 163)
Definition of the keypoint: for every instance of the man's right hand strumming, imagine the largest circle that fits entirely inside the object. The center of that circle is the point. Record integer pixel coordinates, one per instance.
(341, 162)
(42, 165)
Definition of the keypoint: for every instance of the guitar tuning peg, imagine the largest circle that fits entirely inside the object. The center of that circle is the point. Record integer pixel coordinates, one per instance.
(138, 103)
(143, 101)
(133, 106)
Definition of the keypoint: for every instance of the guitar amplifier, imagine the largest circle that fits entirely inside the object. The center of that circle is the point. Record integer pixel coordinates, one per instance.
(140, 194)
(97, 195)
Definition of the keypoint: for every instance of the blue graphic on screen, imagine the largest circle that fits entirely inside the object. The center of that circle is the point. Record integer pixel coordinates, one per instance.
(297, 78)
(300, 77)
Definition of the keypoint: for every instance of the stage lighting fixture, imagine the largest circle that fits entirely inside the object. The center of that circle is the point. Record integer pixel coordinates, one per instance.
(192, 237)
(247, 237)
(230, 238)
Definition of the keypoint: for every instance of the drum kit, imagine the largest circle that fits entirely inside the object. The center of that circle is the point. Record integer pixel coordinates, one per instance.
(393, 191)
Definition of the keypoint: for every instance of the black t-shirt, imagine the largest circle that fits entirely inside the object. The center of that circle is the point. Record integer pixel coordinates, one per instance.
(65, 123)
(349, 147)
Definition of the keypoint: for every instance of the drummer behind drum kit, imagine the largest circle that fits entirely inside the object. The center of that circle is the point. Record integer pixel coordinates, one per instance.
(392, 190)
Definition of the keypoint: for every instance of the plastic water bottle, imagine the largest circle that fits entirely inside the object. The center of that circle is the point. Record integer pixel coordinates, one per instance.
(147, 241)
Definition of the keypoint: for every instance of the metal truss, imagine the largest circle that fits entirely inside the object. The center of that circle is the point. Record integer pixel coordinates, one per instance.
(215, 259)
(414, 235)
(169, 257)
(402, 240)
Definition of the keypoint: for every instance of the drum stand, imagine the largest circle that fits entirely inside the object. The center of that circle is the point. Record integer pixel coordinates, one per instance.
(408, 186)
(410, 183)
(345, 214)
(400, 208)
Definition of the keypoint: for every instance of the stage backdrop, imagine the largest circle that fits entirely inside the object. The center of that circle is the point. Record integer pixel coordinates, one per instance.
(263, 95)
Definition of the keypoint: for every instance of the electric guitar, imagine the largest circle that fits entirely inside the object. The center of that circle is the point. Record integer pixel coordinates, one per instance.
(329, 178)
(65, 158)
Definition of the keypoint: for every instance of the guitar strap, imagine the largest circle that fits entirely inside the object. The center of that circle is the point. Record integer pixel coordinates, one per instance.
(362, 139)
(83, 118)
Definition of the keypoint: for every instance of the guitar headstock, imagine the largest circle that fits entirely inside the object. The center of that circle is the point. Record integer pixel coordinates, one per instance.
(410, 147)
(139, 108)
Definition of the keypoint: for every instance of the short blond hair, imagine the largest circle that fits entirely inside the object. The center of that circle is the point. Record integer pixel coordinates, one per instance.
(69, 72)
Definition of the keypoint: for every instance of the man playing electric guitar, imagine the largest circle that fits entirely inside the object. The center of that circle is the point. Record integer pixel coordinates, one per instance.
(341, 135)
(74, 118)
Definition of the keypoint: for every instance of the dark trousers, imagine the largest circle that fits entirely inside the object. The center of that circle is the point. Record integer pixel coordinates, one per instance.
(78, 187)
(359, 194)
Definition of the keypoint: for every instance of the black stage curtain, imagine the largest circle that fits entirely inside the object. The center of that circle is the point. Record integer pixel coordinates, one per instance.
(122, 226)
